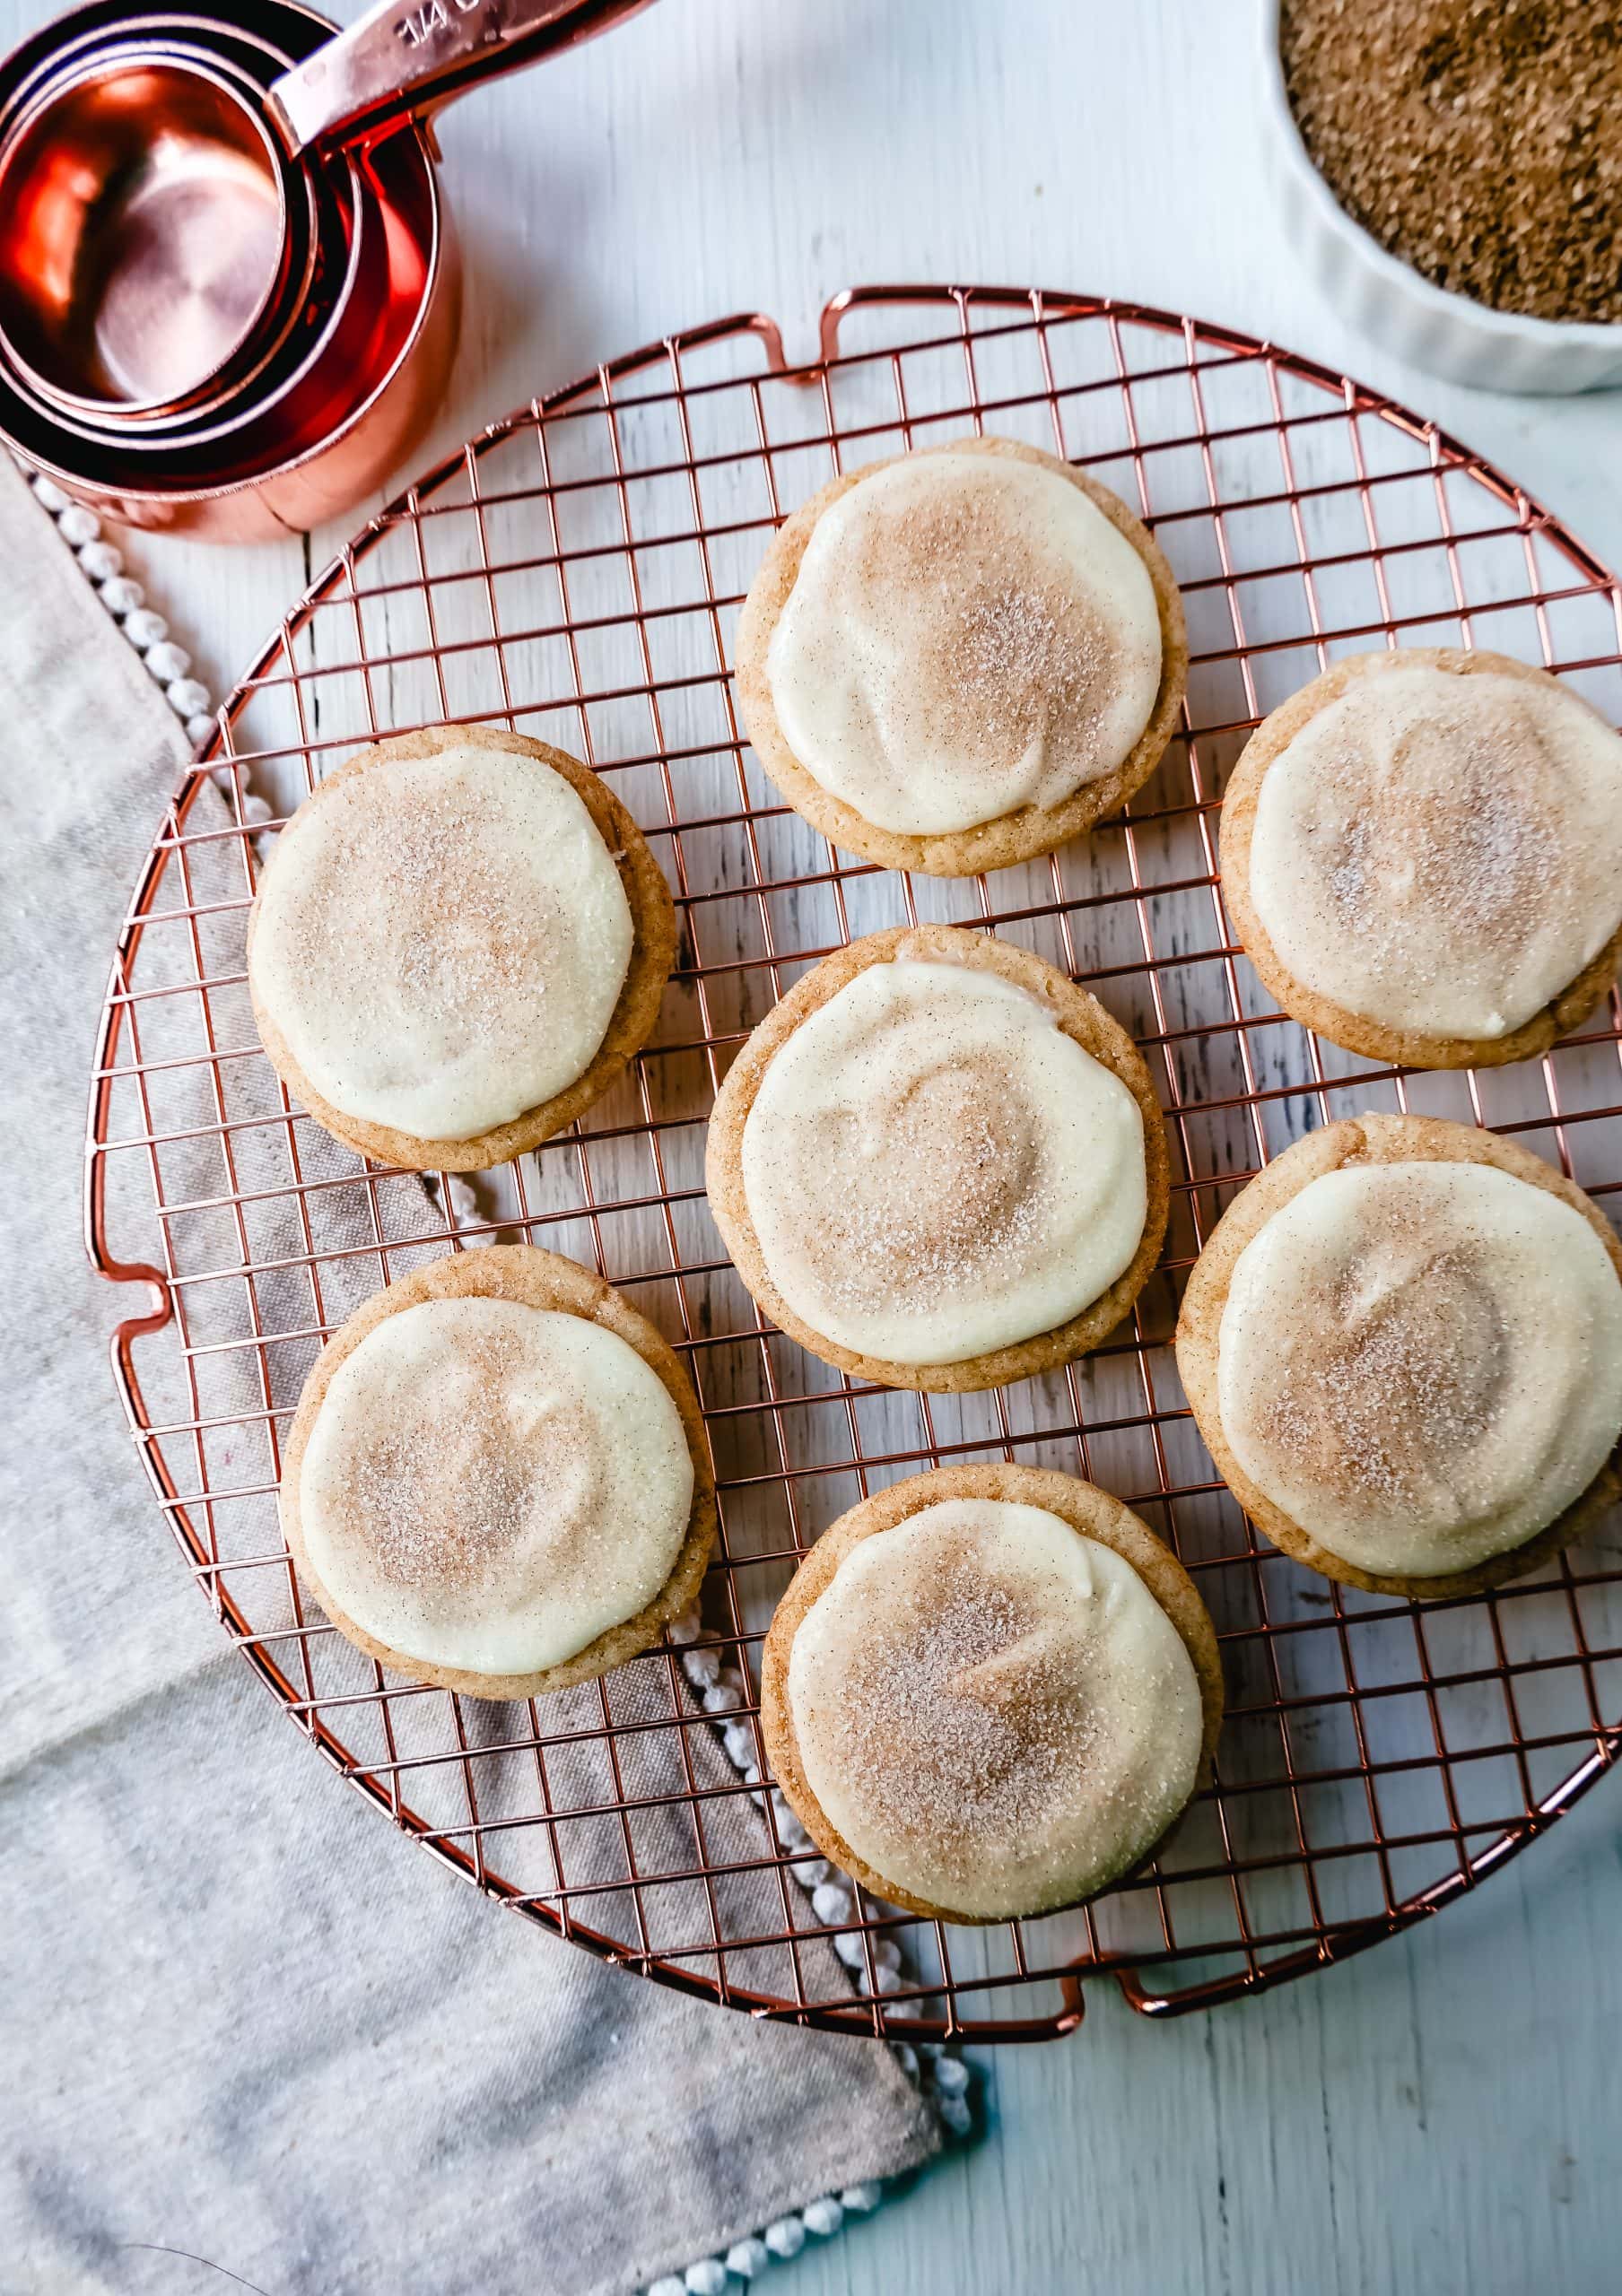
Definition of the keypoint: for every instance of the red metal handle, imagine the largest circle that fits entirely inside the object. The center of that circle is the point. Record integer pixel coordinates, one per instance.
(406, 58)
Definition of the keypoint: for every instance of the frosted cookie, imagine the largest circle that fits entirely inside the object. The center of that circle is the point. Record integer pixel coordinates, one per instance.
(1403, 1346)
(938, 1163)
(962, 658)
(989, 1692)
(1422, 854)
(497, 1479)
(458, 944)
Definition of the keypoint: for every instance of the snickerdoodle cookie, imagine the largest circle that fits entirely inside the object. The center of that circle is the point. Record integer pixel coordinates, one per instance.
(939, 1163)
(989, 1692)
(1422, 854)
(1403, 1346)
(497, 1479)
(960, 658)
(459, 942)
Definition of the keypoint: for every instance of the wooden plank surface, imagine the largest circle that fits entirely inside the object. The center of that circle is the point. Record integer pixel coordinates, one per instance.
(1444, 2113)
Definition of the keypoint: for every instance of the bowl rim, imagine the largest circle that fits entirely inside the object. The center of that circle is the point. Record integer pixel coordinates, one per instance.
(1445, 302)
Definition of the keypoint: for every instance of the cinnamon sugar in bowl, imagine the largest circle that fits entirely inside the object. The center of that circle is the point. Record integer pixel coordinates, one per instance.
(1452, 173)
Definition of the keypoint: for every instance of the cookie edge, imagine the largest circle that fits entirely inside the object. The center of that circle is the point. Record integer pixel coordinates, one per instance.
(1089, 1511)
(631, 1024)
(1081, 1017)
(1376, 1139)
(1009, 838)
(533, 1278)
(1352, 1031)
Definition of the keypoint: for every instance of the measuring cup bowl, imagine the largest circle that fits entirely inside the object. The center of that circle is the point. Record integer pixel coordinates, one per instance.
(290, 466)
(136, 267)
(320, 351)
(95, 59)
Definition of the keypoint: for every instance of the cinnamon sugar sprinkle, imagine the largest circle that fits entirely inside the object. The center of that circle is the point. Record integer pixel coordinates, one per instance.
(963, 1718)
(1479, 847)
(941, 1184)
(473, 939)
(983, 1733)
(444, 1505)
(1407, 1379)
(1010, 661)
(1478, 140)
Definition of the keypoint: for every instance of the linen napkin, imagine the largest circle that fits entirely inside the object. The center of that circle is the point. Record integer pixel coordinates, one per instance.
(246, 2022)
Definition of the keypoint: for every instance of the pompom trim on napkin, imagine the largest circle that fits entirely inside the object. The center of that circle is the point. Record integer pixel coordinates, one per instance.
(943, 2079)
(101, 563)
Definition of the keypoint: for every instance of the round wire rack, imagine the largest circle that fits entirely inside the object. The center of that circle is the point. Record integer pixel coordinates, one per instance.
(575, 572)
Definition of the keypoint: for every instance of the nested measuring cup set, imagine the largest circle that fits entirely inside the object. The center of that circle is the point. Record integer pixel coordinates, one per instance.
(228, 284)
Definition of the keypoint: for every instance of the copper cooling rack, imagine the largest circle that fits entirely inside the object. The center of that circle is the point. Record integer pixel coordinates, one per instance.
(576, 571)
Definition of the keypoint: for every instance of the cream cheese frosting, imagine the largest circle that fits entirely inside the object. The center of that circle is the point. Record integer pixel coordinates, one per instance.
(993, 1710)
(1442, 853)
(1421, 1364)
(966, 635)
(441, 941)
(934, 1169)
(492, 1486)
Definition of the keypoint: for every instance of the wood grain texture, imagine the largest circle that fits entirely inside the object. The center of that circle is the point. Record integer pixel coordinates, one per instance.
(1443, 2113)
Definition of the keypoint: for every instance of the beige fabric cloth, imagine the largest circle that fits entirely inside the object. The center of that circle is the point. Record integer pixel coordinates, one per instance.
(245, 2019)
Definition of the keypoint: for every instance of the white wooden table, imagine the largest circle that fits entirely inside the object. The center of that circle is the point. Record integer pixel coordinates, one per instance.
(1444, 2112)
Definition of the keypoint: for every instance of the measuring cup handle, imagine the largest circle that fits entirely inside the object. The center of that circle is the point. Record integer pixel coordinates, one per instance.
(406, 58)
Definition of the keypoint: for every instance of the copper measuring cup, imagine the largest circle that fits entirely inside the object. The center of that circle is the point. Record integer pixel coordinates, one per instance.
(209, 456)
(134, 267)
(72, 200)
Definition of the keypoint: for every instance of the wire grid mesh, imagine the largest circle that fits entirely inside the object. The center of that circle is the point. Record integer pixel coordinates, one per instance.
(575, 572)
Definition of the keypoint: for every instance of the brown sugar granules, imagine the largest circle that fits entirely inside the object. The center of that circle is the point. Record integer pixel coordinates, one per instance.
(1478, 140)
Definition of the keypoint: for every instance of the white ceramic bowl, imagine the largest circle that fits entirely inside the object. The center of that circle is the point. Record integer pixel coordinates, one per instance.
(1429, 326)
